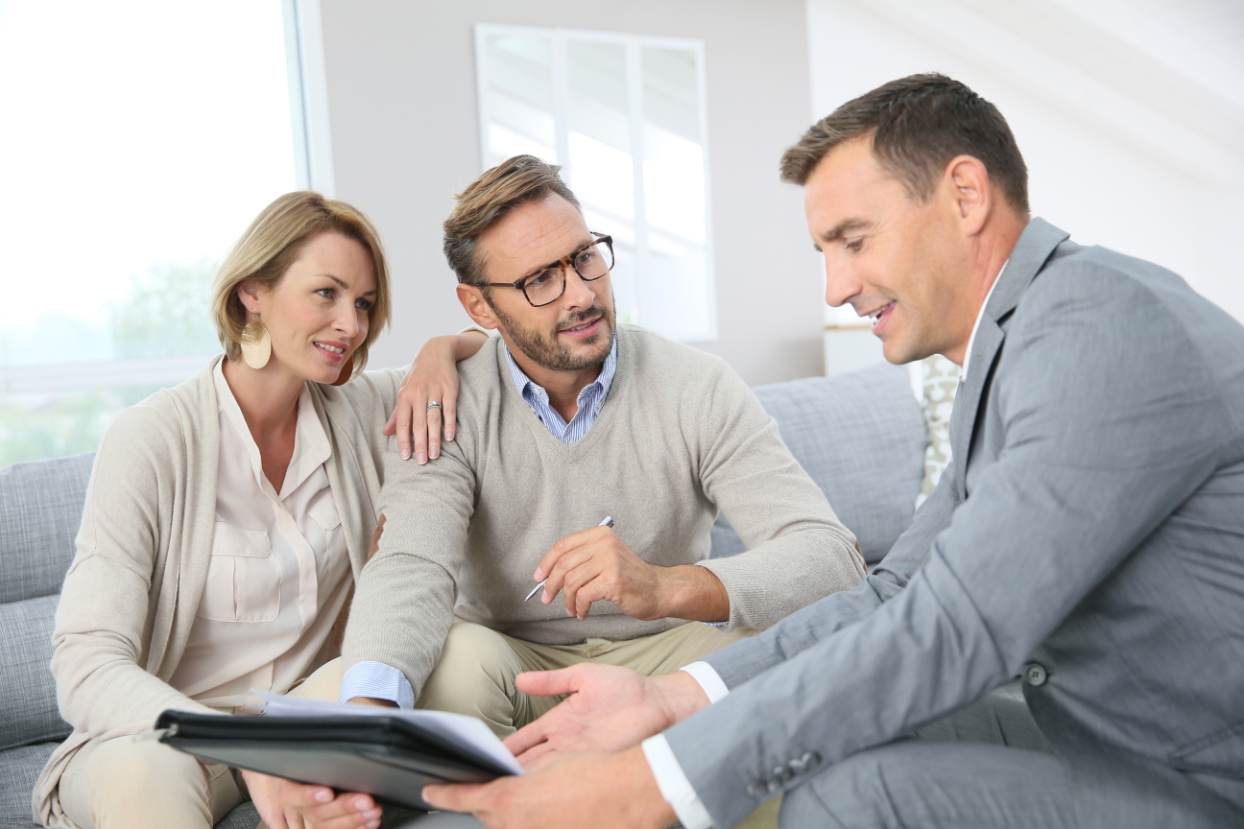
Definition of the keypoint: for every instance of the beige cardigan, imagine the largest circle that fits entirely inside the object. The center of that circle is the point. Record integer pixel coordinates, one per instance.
(133, 589)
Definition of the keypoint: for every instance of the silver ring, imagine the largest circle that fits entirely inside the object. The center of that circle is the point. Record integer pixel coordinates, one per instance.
(434, 405)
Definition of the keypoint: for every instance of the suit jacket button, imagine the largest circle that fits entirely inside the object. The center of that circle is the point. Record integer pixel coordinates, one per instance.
(1035, 674)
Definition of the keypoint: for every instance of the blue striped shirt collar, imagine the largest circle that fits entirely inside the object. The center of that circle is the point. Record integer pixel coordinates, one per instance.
(590, 400)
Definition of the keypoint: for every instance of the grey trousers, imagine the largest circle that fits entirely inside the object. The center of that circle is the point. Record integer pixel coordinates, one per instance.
(988, 766)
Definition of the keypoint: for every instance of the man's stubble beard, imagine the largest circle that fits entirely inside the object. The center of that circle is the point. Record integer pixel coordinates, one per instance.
(545, 351)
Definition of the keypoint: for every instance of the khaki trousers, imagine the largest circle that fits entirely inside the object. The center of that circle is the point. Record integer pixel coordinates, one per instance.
(138, 782)
(478, 666)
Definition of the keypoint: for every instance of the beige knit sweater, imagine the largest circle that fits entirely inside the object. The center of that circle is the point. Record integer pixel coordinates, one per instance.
(679, 437)
(134, 586)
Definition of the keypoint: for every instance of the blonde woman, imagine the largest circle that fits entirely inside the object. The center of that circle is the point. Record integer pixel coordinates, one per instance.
(225, 523)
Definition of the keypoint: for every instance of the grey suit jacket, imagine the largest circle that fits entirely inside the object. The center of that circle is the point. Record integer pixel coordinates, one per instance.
(1089, 535)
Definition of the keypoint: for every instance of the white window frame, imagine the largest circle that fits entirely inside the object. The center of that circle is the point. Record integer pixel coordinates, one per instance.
(633, 46)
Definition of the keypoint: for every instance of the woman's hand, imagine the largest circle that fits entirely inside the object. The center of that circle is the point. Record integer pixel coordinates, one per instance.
(433, 377)
(284, 804)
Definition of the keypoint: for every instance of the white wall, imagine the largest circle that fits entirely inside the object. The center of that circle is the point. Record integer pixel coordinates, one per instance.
(402, 109)
(1123, 149)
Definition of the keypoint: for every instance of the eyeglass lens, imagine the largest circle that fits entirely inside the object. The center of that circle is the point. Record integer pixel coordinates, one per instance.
(590, 263)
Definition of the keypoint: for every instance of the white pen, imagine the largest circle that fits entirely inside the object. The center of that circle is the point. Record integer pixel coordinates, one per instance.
(608, 522)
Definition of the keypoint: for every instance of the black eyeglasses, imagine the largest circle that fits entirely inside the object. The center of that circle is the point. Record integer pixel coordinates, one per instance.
(547, 285)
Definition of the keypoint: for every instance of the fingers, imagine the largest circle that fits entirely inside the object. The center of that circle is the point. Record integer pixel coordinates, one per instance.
(583, 585)
(274, 819)
(547, 684)
(534, 754)
(433, 433)
(579, 599)
(433, 378)
(568, 574)
(347, 811)
(458, 797)
(451, 414)
(280, 802)
(566, 545)
(409, 420)
(527, 737)
(567, 554)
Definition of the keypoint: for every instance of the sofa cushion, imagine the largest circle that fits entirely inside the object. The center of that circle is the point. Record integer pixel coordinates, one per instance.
(40, 510)
(28, 712)
(861, 437)
(242, 817)
(19, 769)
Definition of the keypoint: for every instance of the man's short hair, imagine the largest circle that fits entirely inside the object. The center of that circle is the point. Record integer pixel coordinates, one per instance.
(918, 124)
(518, 180)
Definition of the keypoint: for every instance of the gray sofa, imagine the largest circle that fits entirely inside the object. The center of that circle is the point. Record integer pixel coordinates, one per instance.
(861, 436)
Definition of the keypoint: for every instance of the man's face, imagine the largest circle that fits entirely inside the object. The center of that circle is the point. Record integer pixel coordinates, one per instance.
(894, 258)
(576, 331)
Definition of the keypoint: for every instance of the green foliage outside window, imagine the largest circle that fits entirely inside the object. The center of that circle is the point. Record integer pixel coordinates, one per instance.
(163, 314)
(166, 313)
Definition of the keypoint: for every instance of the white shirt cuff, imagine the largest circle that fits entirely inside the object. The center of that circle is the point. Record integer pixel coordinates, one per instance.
(674, 785)
(709, 680)
(377, 681)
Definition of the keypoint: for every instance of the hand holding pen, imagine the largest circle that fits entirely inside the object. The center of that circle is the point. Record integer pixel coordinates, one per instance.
(597, 565)
(608, 522)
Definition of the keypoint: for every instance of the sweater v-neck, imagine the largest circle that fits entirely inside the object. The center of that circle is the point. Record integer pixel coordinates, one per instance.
(619, 392)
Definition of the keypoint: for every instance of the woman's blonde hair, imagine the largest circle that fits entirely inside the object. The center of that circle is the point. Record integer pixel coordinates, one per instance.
(273, 242)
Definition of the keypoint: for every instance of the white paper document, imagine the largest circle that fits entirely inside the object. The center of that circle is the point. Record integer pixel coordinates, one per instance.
(469, 732)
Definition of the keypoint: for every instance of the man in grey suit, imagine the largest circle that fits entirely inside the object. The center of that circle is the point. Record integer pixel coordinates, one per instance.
(1088, 537)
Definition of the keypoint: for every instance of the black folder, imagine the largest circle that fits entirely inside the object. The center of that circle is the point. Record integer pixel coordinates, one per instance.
(386, 757)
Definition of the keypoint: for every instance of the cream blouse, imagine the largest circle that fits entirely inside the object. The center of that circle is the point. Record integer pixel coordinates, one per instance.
(279, 571)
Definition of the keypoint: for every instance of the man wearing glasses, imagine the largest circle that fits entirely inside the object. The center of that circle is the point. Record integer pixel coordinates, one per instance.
(564, 420)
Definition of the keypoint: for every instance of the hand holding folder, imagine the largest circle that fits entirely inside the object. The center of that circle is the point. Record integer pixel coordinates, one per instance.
(383, 752)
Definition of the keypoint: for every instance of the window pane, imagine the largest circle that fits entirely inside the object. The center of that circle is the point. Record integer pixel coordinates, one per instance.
(674, 194)
(141, 138)
(519, 95)
(600, 168)
(624, 116)
(150, 135)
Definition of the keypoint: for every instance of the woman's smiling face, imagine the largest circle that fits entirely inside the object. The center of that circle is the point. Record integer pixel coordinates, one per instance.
(319, 313)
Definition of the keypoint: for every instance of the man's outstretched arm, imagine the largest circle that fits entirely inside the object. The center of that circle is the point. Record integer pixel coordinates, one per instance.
(609, 709)
(613, 708)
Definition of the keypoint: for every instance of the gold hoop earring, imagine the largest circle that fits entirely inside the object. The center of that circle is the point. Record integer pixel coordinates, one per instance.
(256, 345)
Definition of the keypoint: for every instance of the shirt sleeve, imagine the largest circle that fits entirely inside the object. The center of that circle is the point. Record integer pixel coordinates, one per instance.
(710, 681)
(674, 785)
(377, 681)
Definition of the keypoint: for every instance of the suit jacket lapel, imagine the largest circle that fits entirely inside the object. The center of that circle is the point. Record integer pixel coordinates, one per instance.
(1033, 248)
